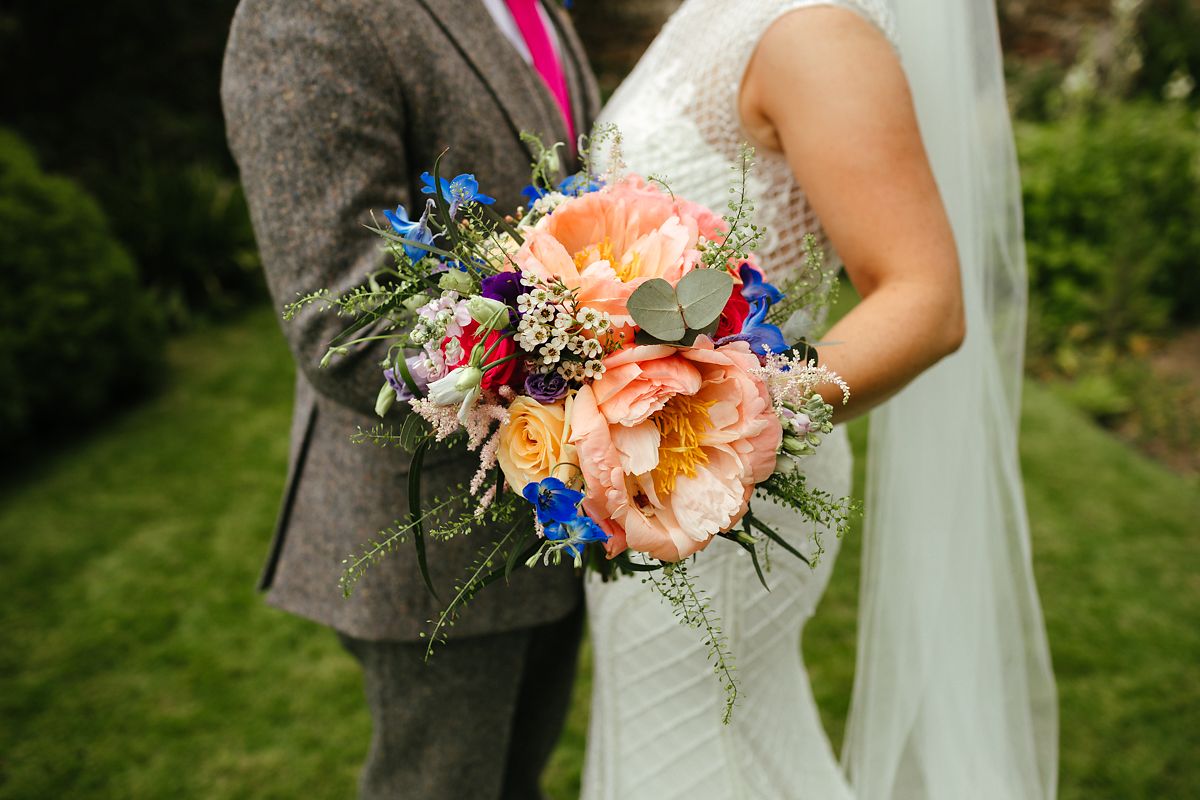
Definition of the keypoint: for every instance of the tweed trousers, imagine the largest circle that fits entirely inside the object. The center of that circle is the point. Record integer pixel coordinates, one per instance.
(502, 698)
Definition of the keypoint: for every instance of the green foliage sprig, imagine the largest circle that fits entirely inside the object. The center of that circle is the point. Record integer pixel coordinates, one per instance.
(809, 289)
(693, 607)
(817, 506)
(743, 235)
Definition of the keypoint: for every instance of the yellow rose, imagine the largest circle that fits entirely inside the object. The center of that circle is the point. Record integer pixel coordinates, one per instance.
(533, 440)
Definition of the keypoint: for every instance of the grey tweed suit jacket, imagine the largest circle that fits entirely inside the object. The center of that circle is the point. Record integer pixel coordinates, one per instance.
(333, 110)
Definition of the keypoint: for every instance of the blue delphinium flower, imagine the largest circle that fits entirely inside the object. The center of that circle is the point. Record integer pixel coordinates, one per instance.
(577, 533)
(553, 500)
(578, 184)
(534, 193)
(557, 508)
(755, 288)
(761, 335)
(462, 189)
(418, 231)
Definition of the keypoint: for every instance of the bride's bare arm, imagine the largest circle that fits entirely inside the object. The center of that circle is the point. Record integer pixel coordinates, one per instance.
(826, 89)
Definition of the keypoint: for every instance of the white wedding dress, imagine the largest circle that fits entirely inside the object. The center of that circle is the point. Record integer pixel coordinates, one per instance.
(656, 727)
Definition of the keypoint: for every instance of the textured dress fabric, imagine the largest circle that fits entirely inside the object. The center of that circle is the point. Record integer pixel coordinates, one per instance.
(656, 721)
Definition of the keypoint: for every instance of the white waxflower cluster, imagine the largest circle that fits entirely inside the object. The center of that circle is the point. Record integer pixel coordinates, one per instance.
(555, 329)
(547, 203)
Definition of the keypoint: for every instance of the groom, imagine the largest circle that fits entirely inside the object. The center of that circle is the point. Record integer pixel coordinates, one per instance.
(334, 109)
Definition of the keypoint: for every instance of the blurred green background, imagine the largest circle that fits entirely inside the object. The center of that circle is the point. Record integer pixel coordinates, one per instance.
(147, 393)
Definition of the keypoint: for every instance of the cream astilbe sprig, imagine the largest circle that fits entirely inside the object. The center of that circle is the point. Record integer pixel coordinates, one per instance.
(792, 381)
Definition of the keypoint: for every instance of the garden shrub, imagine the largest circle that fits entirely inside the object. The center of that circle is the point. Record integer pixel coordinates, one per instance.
(128, 104)
(1112, 212)
(189, 230)
(76, 331)
(1168, 38)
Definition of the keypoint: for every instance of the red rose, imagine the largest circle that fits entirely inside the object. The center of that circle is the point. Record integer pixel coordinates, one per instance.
(733, 316)
(506, 373)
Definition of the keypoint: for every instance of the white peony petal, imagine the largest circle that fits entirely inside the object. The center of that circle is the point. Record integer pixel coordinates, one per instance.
(704, 505)
(637, 447)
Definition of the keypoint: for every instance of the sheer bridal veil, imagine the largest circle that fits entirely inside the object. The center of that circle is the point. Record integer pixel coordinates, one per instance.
(954, 697)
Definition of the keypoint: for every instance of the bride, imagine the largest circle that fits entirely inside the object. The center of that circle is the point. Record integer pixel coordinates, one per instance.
(883, 131)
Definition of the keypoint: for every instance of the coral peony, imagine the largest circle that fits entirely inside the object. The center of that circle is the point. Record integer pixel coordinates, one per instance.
(671, 443)
(606, 243)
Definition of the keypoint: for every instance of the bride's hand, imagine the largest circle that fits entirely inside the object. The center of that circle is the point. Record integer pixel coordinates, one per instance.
(826, 88)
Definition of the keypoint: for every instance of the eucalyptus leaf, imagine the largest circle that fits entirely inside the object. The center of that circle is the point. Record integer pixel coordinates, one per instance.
(707, 330)
(655, 309)
(641, 337)
(702, 295)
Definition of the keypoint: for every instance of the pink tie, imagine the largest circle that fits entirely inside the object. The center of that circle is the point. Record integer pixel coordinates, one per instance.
(545, 59)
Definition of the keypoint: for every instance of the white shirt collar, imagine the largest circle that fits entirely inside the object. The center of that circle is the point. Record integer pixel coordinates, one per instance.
(508, 26)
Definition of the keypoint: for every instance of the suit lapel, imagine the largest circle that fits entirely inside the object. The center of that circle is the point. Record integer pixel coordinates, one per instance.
(516, 88)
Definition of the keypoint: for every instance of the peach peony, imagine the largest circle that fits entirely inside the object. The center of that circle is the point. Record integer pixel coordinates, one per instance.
(671, 443)
(606, 243)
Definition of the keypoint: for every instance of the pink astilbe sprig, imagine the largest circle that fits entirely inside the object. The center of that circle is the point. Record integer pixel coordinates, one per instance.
(478, 423)
(487, 460)
(486, 501)
(442, 419)
(445, 422)
(792, 381)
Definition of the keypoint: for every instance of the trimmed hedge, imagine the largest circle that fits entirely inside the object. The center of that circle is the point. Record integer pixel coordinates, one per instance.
(76, 330)
(1112, 214)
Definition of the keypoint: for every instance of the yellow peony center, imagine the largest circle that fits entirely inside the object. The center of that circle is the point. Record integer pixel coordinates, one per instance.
(681, 424)
(604, 252)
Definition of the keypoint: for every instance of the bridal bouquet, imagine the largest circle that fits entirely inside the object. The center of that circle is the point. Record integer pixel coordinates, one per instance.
(612, 359)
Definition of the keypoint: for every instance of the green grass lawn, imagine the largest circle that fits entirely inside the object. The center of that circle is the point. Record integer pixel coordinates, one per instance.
(137, 660)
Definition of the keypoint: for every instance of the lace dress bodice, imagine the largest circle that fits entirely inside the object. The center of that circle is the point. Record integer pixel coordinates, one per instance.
(677, 113)
(655, 728)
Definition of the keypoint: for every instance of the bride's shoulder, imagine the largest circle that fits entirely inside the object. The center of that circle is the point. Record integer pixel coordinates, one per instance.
(753, 18)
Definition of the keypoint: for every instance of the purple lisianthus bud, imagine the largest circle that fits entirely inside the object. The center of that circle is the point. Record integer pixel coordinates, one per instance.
(505, 287)
(420, 375)
(547, 387)
(402, 392)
